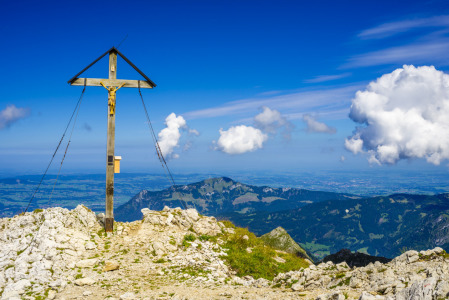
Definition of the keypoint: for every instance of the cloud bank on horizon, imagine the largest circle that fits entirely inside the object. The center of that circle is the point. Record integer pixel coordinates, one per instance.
(403, 115)
(12, 114)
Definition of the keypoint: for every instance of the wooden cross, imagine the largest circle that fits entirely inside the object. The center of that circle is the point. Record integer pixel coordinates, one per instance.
(112, 84)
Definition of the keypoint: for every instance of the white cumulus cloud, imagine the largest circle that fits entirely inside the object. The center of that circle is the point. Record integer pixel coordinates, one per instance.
(241, 139)
(404, 114)
(12, 114)
(315, 126)
(169, 137)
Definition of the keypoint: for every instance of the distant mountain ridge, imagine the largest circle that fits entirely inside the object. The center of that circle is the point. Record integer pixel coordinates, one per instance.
(383, 226)
(321, 222)
(221, 195)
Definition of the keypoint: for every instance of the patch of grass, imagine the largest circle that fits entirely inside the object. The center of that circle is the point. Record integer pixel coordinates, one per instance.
(38, 210)
(289, 285)
(340, 275)
(228, 224)
(46, 292)
(444, 254)
(101, 232)
(78, 276)
(160, 261)
(259, 263)
(382, 270)
(9, 266)
(205, 237)
(188, 238)
(192, 271)
(107, 245)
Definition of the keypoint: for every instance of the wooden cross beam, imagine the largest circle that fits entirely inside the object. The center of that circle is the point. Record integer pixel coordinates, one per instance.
(112, 84)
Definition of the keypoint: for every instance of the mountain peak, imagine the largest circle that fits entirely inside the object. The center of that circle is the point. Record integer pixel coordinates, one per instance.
(280, 239)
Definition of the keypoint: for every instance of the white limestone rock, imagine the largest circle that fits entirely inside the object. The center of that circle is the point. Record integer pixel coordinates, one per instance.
(84, 281)
(127, 296)
(86, 263)
(90, 246)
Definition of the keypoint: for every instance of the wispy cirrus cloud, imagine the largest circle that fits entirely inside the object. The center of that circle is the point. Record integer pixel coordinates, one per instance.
(419, 53)
(325, 78)
(393, 28)
(332, 102)
(430, 43)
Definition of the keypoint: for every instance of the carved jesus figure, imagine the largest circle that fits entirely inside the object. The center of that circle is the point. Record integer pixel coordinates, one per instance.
(111, 98)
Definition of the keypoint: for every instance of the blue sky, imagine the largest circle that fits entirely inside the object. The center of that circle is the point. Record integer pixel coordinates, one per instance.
(218, 65)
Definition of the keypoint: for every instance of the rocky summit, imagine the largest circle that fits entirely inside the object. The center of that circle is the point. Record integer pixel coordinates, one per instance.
(179, 254)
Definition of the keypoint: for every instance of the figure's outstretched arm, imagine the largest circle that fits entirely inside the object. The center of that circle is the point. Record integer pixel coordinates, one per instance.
(120, 86)
(103, 85)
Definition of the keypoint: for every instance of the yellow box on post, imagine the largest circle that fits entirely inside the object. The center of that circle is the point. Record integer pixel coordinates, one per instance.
(117, 160)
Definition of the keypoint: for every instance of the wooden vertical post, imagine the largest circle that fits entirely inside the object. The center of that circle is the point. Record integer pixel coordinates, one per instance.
(109, 221)
(112, 84)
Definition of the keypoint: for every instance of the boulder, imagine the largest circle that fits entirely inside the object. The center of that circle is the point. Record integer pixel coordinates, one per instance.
(420, 290)
(111, 265)
(86, 263)
(331, 296)
(84, 281)
(128, 295)
(368, 296)
(90, 246)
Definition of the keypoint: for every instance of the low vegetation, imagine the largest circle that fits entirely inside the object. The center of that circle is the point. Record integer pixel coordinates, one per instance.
(249, 255)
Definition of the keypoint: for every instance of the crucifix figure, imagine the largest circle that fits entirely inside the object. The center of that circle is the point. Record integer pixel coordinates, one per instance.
(111, 97)
(112, 84)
